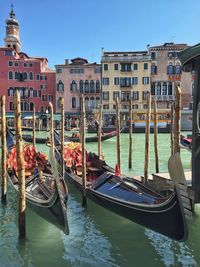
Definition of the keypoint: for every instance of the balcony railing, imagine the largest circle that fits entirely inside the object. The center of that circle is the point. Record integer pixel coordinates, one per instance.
(125, 59)
(164, 97)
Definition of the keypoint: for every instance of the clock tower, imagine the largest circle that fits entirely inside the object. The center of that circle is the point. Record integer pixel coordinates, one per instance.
(12, 32)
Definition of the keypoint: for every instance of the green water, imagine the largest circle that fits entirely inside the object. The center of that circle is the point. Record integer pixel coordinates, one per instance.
(98, 237)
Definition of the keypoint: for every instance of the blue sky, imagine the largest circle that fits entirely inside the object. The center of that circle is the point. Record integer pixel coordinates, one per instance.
(59, 29)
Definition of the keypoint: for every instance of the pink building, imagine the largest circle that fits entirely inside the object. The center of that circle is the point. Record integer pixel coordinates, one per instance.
(76, 78)
(30, 75)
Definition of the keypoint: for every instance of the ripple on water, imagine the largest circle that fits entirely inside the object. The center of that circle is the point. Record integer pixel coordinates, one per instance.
(86, 245)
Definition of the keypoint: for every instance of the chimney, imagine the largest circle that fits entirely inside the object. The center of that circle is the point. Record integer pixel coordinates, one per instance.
(66, 61)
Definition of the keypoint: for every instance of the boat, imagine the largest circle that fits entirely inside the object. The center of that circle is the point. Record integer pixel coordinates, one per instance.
(46, 191)
(123, 195)
(186, 142)
(73, 138)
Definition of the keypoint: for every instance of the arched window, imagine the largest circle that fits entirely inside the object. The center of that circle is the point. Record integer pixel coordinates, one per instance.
(73, 86)
(98, 86)
(97, 102)
(178, 68)
(25, 76)
(26, 106)
(87, 104)
(86, 86)
(10, 75)
(31, 76)
(59, 101)
(22, 106)
(16, 75)
(92, 103)
(31, 106)
(30, 94)
(81, 86)
(158, 88)
(170, 68)
(60, 86)
(10, 91)
(91, 86)
(73, 102)
(164, 89)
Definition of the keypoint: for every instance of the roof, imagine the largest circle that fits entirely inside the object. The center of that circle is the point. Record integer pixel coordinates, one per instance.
(188, 55)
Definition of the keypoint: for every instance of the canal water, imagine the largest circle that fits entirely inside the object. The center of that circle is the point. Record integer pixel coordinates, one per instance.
(98, 237)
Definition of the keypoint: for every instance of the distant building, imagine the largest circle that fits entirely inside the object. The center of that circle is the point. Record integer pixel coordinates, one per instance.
(30, 75)
(125, 75)
(166, 71)
(77, 78)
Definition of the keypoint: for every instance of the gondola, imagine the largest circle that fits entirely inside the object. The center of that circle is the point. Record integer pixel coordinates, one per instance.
(186, 142)
(46, 191)
(73, 138)
(125, 196)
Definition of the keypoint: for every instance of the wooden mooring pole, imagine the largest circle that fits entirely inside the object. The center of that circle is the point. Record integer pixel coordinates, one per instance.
(51, 126)
(99, 132)
(177, 118)
(118, 134)
(155, 117)
(147, 138)
(83, 151)
(4, 150)
(20, 165)
(62, 136)
(34, 134)
(130, 135)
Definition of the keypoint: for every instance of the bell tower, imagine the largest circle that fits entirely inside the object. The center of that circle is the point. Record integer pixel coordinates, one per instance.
(12, 32)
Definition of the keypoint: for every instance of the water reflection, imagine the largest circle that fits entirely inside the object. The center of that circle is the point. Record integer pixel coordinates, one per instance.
(86, 245)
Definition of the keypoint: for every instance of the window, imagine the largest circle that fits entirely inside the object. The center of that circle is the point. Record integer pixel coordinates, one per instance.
(105, 81)
(145, 106)
(30, 65)
(125, 96)
(135, 106)
(43, 86)
(153, 55)
(144, 95)
(158, 88)
(73, 102)
(10, 91)
(8, 53)
(10, 63)
(31, 76)
(170, 88)
(16, 75)
(153, 90)
(86, 87)
(26, 106)
(116, 66)
(116, 80)
(44, 98)
(145, 80)
(73, 86)
(170, 69)
(81, 86)
(135, 95)
(97, 70)
(178, 68)
(105, 66)
(126, 67)
(135, 80)
(106, 106)
(31, 92)
(76, 70)
(145, 66)
(24, 76)
(115, 95)
(97, 86)
(31, 106)
(164, 89)
(59, 70)
(125, 82)
(11, 106)
(91, 86)
(153, 69)
(25, 64)
(16, 64)
(10, 75)
(105, 95)
(37, 77)
(135, 66)
(60, 86)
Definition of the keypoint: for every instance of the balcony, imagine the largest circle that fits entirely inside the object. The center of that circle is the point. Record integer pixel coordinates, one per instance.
(164, 97)
(125, 58)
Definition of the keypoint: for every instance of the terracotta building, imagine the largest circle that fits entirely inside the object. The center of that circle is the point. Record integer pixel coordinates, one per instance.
(30, 75)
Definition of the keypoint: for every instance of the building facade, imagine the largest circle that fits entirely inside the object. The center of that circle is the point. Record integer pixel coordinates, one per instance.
(125, 75)
(166, 71)
(77, 78)
(30, 75)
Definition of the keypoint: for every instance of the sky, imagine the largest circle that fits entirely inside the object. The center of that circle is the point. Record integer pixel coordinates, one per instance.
(65, 29)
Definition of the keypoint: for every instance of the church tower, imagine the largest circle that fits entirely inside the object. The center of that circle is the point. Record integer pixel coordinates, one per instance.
(12, 32)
